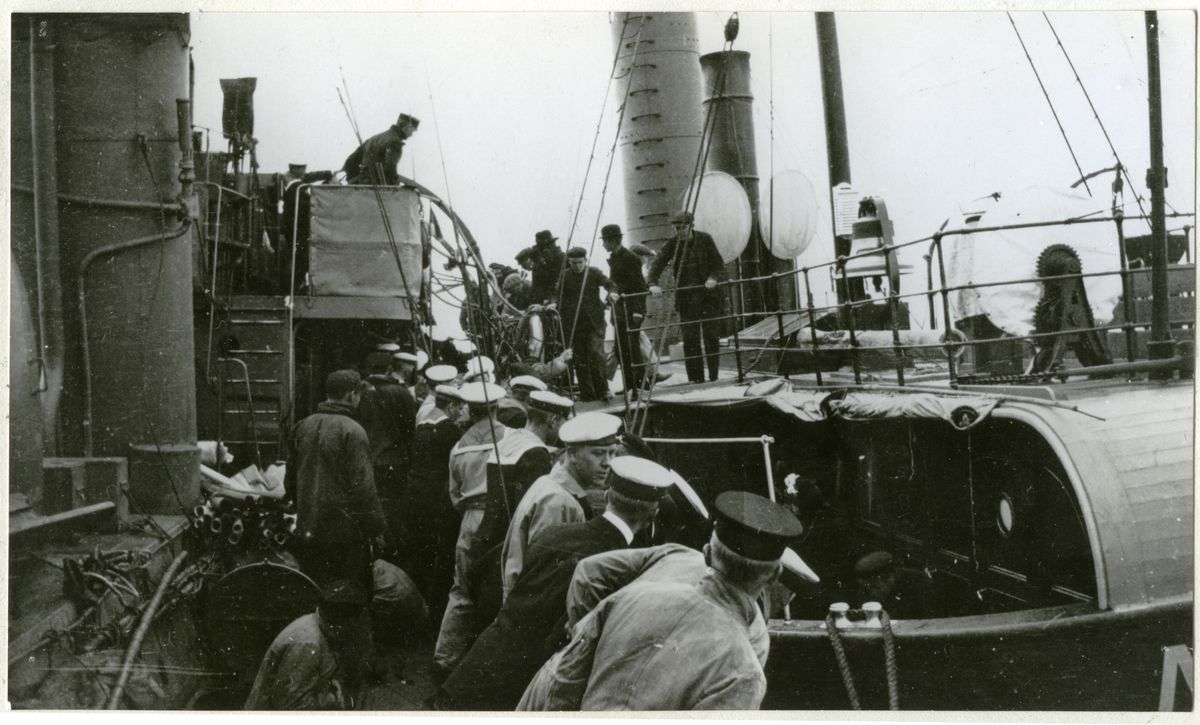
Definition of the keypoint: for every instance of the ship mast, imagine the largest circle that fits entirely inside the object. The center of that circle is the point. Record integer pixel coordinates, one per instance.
(836, 140)
(1161, 346)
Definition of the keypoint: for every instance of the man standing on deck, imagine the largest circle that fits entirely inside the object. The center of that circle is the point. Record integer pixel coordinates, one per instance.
(468, 493)
(560, 497)
(548, 265)
(625, 269)
(498, 667)
(375, 161)
(430, 522)
(698, 265)
(582, 313)
(677, 645)
(525, 455)
(388, 414)
(329, 474)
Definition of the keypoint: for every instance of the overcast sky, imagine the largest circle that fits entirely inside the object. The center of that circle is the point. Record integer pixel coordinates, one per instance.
(942, 108)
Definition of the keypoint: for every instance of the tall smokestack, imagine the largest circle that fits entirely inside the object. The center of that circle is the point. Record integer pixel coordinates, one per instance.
(729, 104)
(659, 54)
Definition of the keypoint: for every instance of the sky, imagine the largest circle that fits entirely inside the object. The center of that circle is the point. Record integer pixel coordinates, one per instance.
(941, 108)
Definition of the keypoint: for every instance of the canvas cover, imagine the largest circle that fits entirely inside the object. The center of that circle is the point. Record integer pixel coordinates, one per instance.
(990, 257)
(350, 255)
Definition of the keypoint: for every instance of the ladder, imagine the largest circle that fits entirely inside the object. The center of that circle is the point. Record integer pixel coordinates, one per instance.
(250, 361)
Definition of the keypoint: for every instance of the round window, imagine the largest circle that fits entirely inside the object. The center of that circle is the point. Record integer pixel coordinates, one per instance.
(1004, 515)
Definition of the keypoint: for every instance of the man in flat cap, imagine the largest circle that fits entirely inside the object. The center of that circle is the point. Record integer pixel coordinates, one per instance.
(311, 664)
(582, 313)
(625, 269)
(697, 270)
(560, 497)
(430, 521)
(330, 477)
(549, 263)
(709, 637)
(520, 459)
(468, 493)
(375, 161)
(529, 627)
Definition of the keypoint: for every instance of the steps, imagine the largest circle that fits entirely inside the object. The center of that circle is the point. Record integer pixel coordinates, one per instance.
(250, 362)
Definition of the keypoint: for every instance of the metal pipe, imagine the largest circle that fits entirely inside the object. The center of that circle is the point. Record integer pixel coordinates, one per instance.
(894, 309)
(850, 328)
(121, 203)
(1126, 292)
(82, 282)
(1161, 345)
(249, 402)
(34, 118)
(812, 326)
(946, 312)
(836, 140)
(766, 444)
(135, 645)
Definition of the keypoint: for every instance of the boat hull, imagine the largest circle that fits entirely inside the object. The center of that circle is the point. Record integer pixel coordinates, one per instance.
(1057, 658)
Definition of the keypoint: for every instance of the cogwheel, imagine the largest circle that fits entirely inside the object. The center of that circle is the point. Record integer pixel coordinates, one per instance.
(1058, 259)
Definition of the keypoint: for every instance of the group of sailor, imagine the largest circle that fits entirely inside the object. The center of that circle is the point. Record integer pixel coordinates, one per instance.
(487, 497)
(549, 545)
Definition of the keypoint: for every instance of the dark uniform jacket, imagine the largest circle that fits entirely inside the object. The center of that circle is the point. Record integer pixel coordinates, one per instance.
(591, 315)
(496, 670)
(360, 165)
(695, 260)
(388, 413)
(551, 261)
(329, 473)
(625, 269)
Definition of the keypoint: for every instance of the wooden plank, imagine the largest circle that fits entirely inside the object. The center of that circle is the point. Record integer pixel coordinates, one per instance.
(1158, 491)
(1169, 472)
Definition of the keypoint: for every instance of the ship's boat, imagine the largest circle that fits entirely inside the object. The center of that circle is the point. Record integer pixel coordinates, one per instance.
(1046, 544)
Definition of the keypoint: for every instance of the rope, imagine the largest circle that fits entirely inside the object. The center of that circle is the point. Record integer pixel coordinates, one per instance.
(1136, 197)
(839, 653)
(889, 656)
(1047, 95)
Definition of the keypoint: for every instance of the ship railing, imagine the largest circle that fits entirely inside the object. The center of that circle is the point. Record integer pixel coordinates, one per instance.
(953, 343)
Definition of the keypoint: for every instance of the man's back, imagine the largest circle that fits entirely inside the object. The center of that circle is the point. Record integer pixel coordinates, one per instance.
(298, 671)
(388, 414)
(330, 466)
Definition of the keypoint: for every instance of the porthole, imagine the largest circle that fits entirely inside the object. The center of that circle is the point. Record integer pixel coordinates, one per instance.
(1004, 515)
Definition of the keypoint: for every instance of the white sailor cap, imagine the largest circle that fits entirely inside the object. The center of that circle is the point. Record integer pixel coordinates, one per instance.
(448, 391)
(387, 347)
(479, 365)
(406, 357)
(549, 402)
(598, 429)
(437, 334)
(639, 478)
(481, 393)
(528, 382)
(795, 571)
(422, 359)
(685, 497)
(441, 373)
(466, 347)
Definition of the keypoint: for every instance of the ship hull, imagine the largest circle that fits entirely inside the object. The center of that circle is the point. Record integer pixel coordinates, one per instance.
(1057, 658)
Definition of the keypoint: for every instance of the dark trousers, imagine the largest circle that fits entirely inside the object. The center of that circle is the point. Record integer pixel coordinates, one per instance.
(696, 323)
(588, 362)
(629, 350)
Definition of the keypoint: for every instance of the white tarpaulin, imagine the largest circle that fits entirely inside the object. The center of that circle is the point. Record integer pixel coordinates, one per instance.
(350, 254)
(989, 257)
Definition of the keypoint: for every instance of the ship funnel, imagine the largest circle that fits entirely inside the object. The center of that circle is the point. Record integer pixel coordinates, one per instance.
(237, 114)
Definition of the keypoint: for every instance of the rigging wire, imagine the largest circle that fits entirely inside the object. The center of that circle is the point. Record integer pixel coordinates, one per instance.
(1137, 197)
(1048, 101)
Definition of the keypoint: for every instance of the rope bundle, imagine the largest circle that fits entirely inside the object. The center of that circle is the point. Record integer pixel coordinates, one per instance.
(889, 655)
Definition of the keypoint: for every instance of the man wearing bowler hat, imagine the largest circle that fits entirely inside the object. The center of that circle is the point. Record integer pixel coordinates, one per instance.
(676, 643)
(625, 269)
(375, 161)
(548, 264)
(697, 270)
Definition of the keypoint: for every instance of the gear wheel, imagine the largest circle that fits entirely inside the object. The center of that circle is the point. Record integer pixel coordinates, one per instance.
(1063, 312)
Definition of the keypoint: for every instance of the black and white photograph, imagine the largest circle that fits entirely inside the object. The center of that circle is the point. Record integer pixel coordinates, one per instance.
(579, 360)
